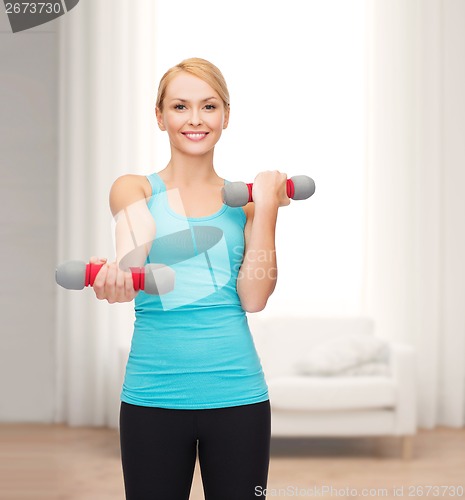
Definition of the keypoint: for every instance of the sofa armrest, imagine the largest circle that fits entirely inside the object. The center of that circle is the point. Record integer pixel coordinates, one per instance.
(403, 370)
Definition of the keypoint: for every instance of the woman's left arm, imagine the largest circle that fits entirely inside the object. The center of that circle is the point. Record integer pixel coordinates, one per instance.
(258, 274)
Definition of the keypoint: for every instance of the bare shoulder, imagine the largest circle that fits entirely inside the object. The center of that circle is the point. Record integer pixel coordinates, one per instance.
(128, 189)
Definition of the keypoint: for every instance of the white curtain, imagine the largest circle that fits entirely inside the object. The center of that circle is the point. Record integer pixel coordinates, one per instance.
(415, 270)
(107, 93)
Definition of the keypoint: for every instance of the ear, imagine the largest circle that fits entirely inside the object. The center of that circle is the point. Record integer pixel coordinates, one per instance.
(159, 116)
(226, 118)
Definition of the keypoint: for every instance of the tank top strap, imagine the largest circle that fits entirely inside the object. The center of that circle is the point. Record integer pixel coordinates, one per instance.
(158, 186)
(156, 182)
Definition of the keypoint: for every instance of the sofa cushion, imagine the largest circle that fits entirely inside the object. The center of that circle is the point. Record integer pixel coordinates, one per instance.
(341, 353)
(302, 392)
(370, 368)
(282, 341)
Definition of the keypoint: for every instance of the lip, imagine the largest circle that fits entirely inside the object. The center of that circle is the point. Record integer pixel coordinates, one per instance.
(199, 135)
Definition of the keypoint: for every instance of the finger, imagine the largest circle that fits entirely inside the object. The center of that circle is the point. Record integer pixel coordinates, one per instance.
(110, 282)
(119, 284)
(128, 284)
(97, 260)
(99, 282)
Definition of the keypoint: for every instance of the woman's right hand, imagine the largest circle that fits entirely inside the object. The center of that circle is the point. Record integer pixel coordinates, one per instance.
(112, 283)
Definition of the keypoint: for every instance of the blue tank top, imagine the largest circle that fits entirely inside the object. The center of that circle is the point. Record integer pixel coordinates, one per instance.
(192, 347)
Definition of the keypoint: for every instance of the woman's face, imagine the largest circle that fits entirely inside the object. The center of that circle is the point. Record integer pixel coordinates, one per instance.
(193, 115)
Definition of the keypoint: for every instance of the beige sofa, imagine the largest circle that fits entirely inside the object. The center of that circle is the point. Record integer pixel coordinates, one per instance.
(338, 404)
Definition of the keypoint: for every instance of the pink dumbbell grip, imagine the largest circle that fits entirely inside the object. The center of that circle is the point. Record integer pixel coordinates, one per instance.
(289, 188)
(138, 275)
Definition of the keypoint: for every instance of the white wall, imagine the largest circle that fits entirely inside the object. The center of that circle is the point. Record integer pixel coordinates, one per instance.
(296, 75)
(28, 178)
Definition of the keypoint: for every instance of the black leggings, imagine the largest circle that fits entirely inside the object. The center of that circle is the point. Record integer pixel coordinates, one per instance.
(159, 450)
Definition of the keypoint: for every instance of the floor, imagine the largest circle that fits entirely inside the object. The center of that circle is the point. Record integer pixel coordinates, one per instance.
(61, 463)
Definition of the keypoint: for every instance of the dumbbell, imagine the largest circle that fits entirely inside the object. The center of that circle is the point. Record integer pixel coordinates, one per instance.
(155, 279)
(238, 194)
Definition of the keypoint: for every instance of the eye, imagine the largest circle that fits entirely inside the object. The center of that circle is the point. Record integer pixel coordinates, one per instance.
(179, 106)
(210, 106)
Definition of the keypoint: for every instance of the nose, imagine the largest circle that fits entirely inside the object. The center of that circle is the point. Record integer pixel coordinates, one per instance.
(194, 118)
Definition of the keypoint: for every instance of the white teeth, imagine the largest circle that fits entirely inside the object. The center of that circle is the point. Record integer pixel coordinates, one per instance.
(196, 136)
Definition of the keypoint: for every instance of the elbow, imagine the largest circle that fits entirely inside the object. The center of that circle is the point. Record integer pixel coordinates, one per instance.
(254, 307)
(253, 303)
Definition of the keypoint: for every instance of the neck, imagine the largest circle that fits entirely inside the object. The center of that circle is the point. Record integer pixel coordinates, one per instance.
(187, 171)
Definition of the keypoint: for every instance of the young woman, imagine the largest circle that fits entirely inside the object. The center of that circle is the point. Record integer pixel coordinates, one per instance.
(194, 382)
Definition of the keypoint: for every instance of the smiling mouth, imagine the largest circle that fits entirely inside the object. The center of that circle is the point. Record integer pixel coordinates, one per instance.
(195, 136)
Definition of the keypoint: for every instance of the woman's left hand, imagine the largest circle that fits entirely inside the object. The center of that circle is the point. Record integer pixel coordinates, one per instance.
(270, 188)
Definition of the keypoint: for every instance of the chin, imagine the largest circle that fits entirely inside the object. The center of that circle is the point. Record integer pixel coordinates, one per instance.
(196, 150)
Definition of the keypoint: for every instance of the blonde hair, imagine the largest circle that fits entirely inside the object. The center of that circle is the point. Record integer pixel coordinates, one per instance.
(200, 68)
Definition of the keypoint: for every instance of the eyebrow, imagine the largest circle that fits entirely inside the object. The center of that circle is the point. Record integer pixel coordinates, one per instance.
(186, 100)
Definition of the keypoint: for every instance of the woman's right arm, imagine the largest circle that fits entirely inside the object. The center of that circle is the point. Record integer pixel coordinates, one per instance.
(134, 232)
